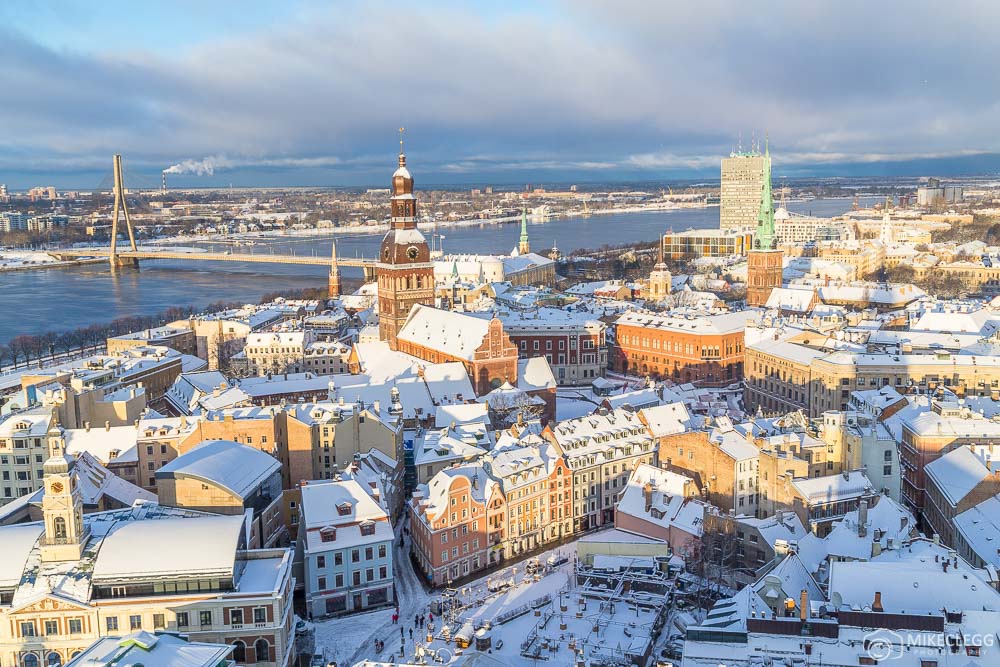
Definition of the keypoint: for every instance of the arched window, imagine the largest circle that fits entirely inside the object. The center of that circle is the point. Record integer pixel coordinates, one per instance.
(59, 523)
(53, 660)
(29, 660)
(239, 651)
(261, 647)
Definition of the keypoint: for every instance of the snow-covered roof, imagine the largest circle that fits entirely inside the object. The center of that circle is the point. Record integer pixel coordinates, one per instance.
(238, 468)
(682, 322)
(101, 442)
(456, 333)
(914, 580)
(980, 528)
(448, 444)
(787, 579)
(166, 548)
(793, 300)
(534, 374)
(834, 488)
(669, 505)
(605, 434)
(669, 419)
(435, 492)
(465, 413)
(18, 541)
(152, 650)
(887, 521)
(959, 471)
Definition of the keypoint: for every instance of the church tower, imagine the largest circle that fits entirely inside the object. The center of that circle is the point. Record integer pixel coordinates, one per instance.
(333, 287)
(659, 279)
(62, 506)
(523, 246)
(764, 263)
(405, 271)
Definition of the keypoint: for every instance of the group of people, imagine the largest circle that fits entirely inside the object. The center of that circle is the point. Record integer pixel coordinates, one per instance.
(419, 622)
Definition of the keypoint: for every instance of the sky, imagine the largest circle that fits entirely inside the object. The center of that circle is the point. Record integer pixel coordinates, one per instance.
(313, 93)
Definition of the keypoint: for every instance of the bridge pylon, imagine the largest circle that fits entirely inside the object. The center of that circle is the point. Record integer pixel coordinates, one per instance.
(120, 207)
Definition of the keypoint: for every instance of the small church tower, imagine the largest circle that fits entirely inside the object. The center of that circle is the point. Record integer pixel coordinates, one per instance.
(62, 505)
(333, 290)
(764, 262)
(523, 246)
(659, 279)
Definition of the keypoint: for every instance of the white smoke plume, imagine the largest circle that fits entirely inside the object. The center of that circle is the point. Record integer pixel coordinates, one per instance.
(209, 165)
(204, 167)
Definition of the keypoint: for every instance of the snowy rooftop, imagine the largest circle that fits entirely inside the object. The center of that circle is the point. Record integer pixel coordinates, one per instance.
(148, 549)
(959, 471)
(664, 420)
(834, 488)
(151, 650)
(448, 444)
(456, 333)
(238, 468)
(724, 323)
(607, 433)
(913, 580)
(106, 444)
(980, 527)
(344, 506)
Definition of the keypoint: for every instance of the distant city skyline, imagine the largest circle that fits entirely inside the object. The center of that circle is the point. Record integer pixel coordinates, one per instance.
(307, 94)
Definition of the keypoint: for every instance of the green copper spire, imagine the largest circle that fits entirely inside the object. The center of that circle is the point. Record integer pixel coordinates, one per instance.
(523, 247)
(764, 236)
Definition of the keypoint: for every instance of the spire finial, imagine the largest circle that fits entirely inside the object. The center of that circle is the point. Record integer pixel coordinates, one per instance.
(401, 130)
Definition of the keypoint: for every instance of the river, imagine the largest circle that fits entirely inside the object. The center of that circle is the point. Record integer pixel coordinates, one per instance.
(58, 299)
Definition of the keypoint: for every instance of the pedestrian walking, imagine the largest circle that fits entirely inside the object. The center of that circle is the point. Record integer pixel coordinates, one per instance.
(394, 619)
(401, 637)
(411, 633)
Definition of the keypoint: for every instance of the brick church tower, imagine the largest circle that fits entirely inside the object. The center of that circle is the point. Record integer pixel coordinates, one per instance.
(405, 271)
(764, 263)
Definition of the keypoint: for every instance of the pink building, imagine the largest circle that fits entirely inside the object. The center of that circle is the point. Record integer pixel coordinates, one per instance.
(660, 504)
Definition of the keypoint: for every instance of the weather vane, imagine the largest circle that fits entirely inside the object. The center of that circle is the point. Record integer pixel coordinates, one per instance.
(401, 130)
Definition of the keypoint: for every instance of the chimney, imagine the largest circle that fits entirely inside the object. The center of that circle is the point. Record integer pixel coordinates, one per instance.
(647, 495)
(86, 426)
(876, 548)
(377, 407)
(107, 425)
(804, 605)
(877, 604)
(863, 518)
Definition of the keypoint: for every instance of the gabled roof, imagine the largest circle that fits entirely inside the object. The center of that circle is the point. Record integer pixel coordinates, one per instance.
(457, 334)
(958, 472)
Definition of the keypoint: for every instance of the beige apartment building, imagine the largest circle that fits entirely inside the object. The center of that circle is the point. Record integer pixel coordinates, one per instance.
(742, 184)
(786, 375)
(72, 579)
(601, 450)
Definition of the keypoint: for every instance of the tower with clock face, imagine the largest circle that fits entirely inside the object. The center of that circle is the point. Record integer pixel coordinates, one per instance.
(62, 506)
(405, 272)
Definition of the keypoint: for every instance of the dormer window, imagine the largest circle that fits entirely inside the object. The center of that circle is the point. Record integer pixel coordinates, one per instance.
(328, 534)
(344, 509)
(368, 528)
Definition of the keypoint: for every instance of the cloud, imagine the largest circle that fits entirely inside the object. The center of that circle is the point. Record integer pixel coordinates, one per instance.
(584, 87)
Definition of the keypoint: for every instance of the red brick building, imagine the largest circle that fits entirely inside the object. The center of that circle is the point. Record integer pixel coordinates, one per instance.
(574, 344)
(705, 349)
(481, 345)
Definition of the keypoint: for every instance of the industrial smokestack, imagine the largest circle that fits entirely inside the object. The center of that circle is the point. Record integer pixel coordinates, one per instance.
(163, 183)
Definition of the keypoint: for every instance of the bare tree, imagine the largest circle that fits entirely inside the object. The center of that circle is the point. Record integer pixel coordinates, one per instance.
(506, 407)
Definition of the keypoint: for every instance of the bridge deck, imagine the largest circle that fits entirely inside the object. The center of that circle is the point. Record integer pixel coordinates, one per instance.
(213, 257)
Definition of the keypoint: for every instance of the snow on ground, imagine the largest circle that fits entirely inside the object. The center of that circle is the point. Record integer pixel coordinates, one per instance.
(11, 259)
(350, 639)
